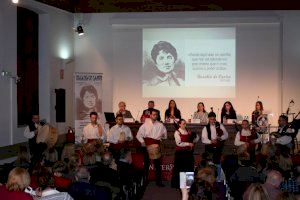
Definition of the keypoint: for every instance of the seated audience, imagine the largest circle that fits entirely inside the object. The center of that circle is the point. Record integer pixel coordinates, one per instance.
(256, 191)
(23, 159)
(272, 184)
(146, 113)
(67, 152)
(122, 110)
(81, 189)
(18, 180)
(59, 170)
(172, 113)
(46, 185)
(227, 112)
(287, 196)
(243, 176)
(51, 156)
(201, 113)
(89, 156)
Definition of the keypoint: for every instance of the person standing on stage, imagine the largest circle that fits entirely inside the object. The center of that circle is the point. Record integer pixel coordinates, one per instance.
(184, 155)
(214, 135)
(150, 135)
(257, 112)
(93, 131)
(31, 132)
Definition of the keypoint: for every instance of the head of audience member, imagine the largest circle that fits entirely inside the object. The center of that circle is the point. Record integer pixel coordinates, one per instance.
(122, 106)
(212, 118)
(256, 191)
(82, 175)
(283, 120)
(227, 107)
(207, 175)
(93, 117)
(35, 118)
(18, 179)
(201, 107)
(245, 124)
(89, 96)
(45, 179)
(119, 119)
(151, 104)
(268, 150)
(172, 105)
(74, 163)
(153, 115)
(23, 158)
(125, 155)
(274, 178)
(259, 106)
(109, 161)
(68, 151)
(59, 168)
(244, 158)
(164, 56)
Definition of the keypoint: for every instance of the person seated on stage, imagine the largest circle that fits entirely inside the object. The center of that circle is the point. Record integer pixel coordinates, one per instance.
(119, 134)
(93, 131)
(257, 112)
(18, 180)
(172, 113)
(213, 136)
(150, 135)
(201, 113)
(284, 136)
(248, 138)
(146, 113)
(31, 132)
(227, 112)
(123, 111)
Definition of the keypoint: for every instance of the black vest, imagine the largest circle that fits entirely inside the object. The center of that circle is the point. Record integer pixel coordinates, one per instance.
(217, 124)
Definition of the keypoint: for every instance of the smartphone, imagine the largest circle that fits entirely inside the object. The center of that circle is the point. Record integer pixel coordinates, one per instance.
(186, 179)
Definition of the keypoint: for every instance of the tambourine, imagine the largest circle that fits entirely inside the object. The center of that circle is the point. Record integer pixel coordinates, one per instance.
(47, 134)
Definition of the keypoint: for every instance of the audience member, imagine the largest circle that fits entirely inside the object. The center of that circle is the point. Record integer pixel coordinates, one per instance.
(274, 179)
(18, 180)
(256, 191)
(59, 170)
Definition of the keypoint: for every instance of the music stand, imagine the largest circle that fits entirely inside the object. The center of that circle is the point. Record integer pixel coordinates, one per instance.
(109, 117)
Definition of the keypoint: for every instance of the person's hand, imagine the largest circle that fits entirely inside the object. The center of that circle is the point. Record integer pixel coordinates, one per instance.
(191, 145)
(143, 144)
(38, 192)
(215, 141)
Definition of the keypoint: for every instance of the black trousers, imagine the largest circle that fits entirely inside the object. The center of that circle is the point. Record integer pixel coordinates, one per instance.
(215, 151)
(183, 162)
(147, 165)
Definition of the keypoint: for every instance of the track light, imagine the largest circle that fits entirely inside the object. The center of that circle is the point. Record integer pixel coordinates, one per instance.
(15, 1)
(79, 30)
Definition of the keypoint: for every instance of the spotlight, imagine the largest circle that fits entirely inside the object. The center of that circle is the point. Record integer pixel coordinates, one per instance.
(15, 1)
(79, 30)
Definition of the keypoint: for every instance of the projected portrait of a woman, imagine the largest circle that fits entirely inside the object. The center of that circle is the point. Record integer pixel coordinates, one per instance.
(164, 69)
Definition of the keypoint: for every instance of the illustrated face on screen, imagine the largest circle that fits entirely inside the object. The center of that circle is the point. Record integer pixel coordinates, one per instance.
(89, 100)
(165, 62)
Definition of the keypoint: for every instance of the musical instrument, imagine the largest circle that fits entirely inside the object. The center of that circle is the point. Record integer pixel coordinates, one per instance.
(47, 134)
(154, 151)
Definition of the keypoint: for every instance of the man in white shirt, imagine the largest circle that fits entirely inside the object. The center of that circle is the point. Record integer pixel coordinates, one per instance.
(150, 134)
(214, 135)
(118, 135)
(93, 131)
(31, 132)
(284, 137)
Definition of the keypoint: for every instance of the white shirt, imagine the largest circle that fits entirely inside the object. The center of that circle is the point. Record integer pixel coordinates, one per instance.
(213, 130)
(178, 138)
(152, 130)
(286, 139)
(91, 131)
(29, 134)
(238, 142)
(114, 133)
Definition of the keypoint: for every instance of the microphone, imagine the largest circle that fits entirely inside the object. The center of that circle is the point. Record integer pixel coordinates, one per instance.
(136, 121)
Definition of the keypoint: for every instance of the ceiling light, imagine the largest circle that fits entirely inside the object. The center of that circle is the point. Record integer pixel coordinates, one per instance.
(15, 1)
(79, 30)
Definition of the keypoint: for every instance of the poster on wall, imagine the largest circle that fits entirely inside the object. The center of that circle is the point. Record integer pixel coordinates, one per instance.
(88, 98)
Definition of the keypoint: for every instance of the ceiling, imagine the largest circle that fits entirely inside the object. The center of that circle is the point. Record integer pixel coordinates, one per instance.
(107, 6)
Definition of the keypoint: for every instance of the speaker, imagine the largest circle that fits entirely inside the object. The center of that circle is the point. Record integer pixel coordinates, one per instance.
(60, 106)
